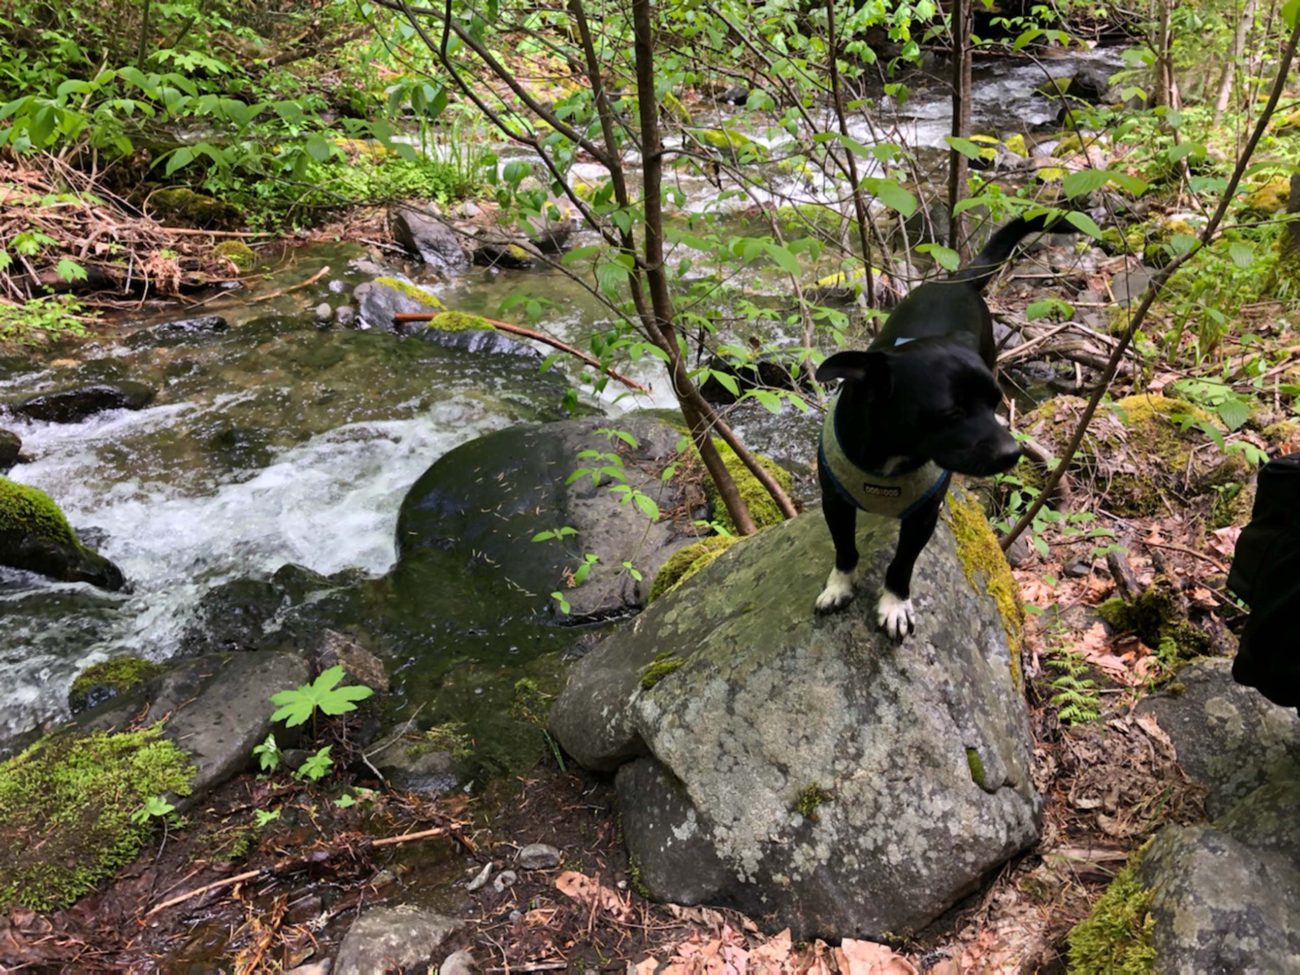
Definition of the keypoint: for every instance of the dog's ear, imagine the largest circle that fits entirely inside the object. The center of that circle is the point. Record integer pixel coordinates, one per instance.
(856, 367)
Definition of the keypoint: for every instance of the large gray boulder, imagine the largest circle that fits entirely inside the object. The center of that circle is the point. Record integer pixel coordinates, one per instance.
(1226, 897)
(1228, 737)
(484, 502)
(402, 938)
(381, 299)
(805, 768)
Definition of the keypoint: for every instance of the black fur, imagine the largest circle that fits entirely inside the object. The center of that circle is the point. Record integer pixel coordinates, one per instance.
(932, 398)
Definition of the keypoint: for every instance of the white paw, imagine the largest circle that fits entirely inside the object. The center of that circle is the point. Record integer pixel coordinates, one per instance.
(895, 615)
(838, 592)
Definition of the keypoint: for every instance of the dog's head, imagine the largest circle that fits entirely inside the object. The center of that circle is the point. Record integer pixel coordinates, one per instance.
(933, 399)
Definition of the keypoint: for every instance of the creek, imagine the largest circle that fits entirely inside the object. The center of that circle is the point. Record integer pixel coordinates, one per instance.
(275, 442)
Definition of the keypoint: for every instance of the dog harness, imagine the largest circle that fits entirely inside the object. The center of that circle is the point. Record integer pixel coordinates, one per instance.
(892, 497)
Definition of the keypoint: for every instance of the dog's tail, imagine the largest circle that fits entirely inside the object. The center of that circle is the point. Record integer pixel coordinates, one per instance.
(1003, 244)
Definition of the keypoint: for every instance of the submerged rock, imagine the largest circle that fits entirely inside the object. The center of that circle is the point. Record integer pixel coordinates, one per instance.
(806, 768)
(499, 249)
(75, 404)
(457, 330)
(36, 537)
(106, 680)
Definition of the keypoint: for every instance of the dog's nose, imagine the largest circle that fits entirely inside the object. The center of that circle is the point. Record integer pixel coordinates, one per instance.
(1007, 456)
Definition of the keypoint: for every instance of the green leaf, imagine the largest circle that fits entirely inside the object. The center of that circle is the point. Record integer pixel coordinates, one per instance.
(1084, 182)
(783, 258)
(892, 194)
(647, 505)
(1084, 223)
(1243, 255)
(318, 148)
(945, 257)
(1234, 413)
(299, 704)
(1291, 12)
(964, 146)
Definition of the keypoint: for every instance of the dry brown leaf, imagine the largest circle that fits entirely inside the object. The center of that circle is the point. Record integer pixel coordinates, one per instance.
(772, 958)
(869, 958)
(588, 891)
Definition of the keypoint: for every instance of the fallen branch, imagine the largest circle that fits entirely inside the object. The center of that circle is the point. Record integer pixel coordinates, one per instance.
(426, 316)
(293, 287)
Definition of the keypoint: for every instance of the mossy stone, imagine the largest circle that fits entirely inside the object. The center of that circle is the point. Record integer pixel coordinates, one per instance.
(1269, 197)
(35, 536)
(659, 668)
(1157, 618)
(413, 292)
(459, 321)
(109, 678)
(809, 800)
(237, 253)
(762, 508)
(687, 561)
(1016, 144)
(182, 205)
(1115, 938)
(987, 569)
(66, 806)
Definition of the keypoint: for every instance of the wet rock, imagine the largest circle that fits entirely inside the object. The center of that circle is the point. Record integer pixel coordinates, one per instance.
(102, 682)
(538, 856)
(36, 537)
(75, 404)
(496, 249)
(735, 95)
(379, 300)
(480, 878)
(457, 330)
(420, 765)
(1091, 83)
(242, 614)
(323, 312)
(10, 447)
(389, 939)
(430, 239)
(479, 507)
(218, 707)
(459, 963)
(204, 325)
(345, 315)
(1227, 736)
(805, 768)
(359, 664)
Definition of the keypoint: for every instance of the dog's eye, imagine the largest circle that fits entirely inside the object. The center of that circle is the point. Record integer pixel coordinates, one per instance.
(954, 413)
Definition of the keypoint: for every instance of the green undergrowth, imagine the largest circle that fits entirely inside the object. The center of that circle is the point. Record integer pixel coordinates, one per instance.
(1157, 618)
(1115, 939)
(65, 811)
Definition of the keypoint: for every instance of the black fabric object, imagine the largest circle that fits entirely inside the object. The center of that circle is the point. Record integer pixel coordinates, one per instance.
(1266, 574)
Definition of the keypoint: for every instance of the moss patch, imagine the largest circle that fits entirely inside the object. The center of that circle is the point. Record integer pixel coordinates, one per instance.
(1158, 619)
(121, 674)
(1115, 939)
(976, 765)
(987, 569)
(761, 506)
(685, 562)
(411, 291)
(811, 799)
(65, 811)
(459, 321)
(182, 205)
(663, 664)
(25, 510)
(237, 253)
(1269, 197)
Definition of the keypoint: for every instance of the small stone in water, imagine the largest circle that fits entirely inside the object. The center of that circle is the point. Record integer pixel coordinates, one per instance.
(539, 856)
(481, 878)
(324, 312)
(345, 314)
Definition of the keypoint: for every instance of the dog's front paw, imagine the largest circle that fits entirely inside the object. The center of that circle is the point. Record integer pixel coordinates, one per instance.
(895, 615)
(838, 592)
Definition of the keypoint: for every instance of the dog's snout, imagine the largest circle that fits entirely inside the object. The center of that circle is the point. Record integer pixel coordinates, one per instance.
(1007, 456)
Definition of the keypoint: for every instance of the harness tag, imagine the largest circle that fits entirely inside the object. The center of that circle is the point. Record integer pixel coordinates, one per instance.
(880, 490)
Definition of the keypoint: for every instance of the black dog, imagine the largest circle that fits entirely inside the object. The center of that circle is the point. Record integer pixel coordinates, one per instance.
(919, 404)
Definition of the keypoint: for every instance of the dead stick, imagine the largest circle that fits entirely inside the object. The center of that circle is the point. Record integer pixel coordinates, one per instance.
(196, 232)
(199, 891)
(426, 316)
(295, 287)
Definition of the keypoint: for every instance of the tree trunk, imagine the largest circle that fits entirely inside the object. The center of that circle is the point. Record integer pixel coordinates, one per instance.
(1229, 69)
(961, 85)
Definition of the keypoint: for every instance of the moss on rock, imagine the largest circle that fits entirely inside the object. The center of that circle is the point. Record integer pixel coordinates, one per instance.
(1269, 197)
(237, 253)
(986, 568)
(663, 664)
(687, 561)
(976, 766)
(459, 321)
(30, 511)
(413, 292)
(66, 806)
(1115, 939)
(761, 506)
(809, 800)
(182, 205)
(109, 678)
(1159, 620)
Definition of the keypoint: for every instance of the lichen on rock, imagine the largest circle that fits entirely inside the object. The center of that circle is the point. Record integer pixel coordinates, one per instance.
(65, 811)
